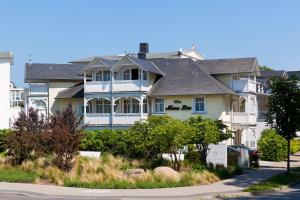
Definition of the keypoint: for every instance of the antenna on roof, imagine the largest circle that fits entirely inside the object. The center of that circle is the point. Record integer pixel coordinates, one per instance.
(29, 59)
(193, 46)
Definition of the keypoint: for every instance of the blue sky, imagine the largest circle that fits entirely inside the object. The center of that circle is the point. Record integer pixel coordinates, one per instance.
(57, 31)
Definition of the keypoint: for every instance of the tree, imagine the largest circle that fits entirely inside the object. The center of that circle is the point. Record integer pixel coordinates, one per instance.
(64, 137)
(284, 110)
(26, 136)
(206, 131)
(265, 68)
(141, 140)
(171, 137)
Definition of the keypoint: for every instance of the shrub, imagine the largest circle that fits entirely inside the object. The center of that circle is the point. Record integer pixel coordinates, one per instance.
(91, 141)
(295, 146)
(17, 175)
(3, 139)
(64, 138)
(272, 146)
(192, 157)
(25, 137)
(233, 159)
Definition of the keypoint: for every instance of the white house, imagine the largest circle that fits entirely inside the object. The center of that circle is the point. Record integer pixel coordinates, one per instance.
(6, 60)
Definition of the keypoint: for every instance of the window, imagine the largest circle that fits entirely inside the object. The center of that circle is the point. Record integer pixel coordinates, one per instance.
(145, 106)
(103, 106)
(135, 106)
(144, 75)
(106, 75)
(159, 105)
(199, 104)
(126, 75)
(99, 76)
(134, 74)
(126, 105)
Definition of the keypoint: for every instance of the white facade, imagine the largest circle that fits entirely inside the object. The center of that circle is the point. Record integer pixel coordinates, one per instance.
(6, 60)
(17, 103)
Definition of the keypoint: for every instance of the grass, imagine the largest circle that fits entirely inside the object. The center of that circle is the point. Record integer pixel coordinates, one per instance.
(295, 146)
(108, 172)
(276, 181)
(17, 175)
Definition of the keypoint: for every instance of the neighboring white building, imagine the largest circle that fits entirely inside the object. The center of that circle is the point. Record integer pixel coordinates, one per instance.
(6, 60)
(17, 102)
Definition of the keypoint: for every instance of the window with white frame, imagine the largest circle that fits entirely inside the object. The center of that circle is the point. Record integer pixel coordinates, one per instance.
(106, 75)
(159, 105)
(199, 104)
(135, 106)
(126, 106)
(145, 106)
(103, 106)
(98, 76)
(126, 75)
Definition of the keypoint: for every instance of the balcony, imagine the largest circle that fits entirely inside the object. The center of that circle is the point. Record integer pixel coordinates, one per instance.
(244, 85)
(118, 86)
(117, 119)
(243, 118)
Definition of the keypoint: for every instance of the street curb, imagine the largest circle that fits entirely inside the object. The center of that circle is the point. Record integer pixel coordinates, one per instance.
(257, 193)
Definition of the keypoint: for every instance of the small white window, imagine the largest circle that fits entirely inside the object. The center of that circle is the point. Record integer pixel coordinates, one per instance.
(159, 105)
(199, 104)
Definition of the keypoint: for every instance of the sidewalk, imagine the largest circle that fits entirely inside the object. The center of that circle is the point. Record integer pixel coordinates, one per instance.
(235, 184)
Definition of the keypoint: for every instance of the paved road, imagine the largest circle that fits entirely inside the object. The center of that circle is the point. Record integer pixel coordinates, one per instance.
(290, 194)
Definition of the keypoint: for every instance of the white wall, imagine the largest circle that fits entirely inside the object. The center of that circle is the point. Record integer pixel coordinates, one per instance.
(4, 90)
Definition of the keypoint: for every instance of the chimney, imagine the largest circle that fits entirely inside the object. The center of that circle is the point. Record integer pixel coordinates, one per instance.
(144, 49)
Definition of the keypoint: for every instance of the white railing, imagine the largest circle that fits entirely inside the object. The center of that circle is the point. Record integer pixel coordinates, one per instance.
(96, 119)
(97, 86)
(244, 118)
(244, 85)
(117, 118)
(118, 86)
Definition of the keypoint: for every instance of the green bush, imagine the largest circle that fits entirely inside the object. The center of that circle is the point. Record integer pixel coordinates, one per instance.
(272, 146)
(233, 159)
(4, 133)
(192, 157)
(295, 146)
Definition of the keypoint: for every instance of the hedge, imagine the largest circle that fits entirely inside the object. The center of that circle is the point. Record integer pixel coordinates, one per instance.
(272, 146)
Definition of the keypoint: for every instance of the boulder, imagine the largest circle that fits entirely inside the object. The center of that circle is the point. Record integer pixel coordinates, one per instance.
(134, 173)
(167, 173)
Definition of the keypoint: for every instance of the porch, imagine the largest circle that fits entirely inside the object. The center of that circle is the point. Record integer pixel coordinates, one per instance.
(123, 111)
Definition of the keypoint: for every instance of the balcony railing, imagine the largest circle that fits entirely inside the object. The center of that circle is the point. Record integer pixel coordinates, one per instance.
(118, 86)
(244, 118)
(244, 85)
(117, 118)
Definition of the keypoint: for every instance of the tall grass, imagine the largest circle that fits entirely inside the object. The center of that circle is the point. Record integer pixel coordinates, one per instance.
(107, 172)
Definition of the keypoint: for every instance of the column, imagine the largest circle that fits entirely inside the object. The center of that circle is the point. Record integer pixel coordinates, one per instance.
(141, 107)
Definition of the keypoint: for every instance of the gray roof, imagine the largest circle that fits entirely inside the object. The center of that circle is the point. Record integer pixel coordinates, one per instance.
(294, 73)
(272, 73)
(146, 65)
(89, 59)
(36, 72)
(230, 66)
(76, 91)
(185, 77)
